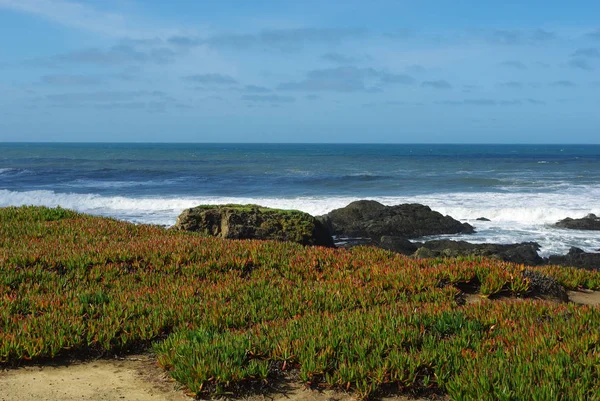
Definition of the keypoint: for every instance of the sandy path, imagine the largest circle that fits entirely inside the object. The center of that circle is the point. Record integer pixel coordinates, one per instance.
(591, 298)
(135, 378)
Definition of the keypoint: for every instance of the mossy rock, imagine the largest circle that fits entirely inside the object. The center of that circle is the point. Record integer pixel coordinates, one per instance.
(254, 222)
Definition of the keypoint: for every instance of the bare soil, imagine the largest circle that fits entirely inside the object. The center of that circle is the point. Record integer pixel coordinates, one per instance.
(135, 378)
(585, 297)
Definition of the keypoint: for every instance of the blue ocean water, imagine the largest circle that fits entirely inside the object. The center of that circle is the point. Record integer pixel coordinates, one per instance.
(523, 189)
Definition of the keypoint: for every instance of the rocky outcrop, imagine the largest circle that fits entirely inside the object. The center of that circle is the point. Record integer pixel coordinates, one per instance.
(371, 219)
(254, 222)
(576, 258)
(589, 222)
(523, 253)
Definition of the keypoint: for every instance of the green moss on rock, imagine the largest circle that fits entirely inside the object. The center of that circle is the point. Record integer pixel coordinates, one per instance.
(254, 222)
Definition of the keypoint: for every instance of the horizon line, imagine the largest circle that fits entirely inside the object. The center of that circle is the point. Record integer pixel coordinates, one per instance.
(295, 143)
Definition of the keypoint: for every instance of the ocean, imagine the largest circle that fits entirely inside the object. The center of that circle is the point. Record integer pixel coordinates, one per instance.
(522, 189)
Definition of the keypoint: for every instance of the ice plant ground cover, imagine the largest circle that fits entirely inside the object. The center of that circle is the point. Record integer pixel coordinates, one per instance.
(225, 316)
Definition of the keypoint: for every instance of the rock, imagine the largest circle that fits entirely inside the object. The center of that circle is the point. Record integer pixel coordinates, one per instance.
(589, 222)
(546, 286)
(523, 253)
(343, 242)
(398, 244)
(482, 219)
(254, 222)
(371, 219)
(576, 258)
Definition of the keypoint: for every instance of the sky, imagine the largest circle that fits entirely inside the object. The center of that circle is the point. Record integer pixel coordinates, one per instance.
(381, 71)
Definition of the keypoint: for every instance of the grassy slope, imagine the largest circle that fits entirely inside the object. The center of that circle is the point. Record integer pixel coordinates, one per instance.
(228, 314)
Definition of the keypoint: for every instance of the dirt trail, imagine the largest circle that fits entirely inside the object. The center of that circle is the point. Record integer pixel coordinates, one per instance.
(585, 297)
(582, 297)
(134, 378)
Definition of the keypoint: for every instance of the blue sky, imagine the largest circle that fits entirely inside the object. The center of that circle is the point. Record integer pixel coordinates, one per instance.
(300, 71)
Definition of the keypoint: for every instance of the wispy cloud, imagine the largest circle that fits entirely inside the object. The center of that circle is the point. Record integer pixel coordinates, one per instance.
(71, 80)
(490, 102)
(338, 58)
(595, 35)
(104, 96)
(520, 37)
(255, 89)
(211, 79)
(519, 65)
(581, 58)
(347, 79)
(272, 40)
(439, 84)
(268, 99)
(511, 85)
(590, 52)
(77, 15)
(563, 84)
(115, 55)
(581, 63)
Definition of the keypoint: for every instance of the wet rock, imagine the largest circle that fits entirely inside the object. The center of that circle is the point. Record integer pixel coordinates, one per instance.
(398, 244)
(522, 253)
(589, 222)
(576, 258)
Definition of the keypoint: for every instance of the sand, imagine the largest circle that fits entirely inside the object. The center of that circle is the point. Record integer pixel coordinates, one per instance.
(585, 297)
(135, 378)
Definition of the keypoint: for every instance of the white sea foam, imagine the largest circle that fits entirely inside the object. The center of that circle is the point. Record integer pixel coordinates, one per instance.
(515, 217)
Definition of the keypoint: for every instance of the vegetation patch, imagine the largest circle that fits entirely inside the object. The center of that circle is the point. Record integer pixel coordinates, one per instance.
(225, 315)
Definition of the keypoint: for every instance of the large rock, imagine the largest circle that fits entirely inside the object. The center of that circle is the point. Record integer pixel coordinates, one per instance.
(523, 253)
(371, 219)
(589, 222)
(254, 222)
(577, 258)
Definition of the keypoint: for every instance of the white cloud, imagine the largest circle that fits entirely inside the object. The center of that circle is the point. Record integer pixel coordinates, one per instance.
(75, 15)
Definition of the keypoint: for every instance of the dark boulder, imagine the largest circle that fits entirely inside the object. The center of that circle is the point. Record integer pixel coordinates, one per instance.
(523, 253)
(589, 222)
(482, 219)
(544, 286)
(576, 258)
(398, 244)
(254, 222)
(371, 219)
